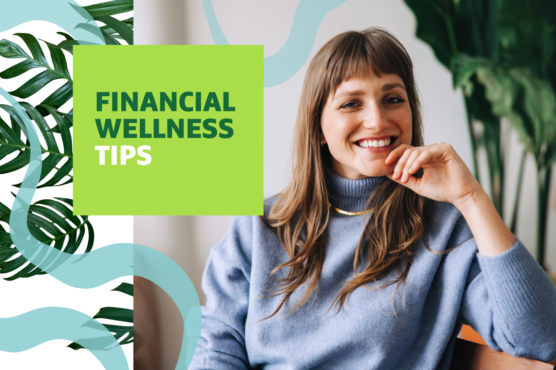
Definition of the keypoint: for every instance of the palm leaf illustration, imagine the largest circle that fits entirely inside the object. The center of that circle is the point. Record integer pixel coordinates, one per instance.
(51, 222)
(59, 70)
(11, 142)
(114, 29)
(116, 314)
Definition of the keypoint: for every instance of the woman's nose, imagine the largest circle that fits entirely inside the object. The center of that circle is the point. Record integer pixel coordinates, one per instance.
(375, 118)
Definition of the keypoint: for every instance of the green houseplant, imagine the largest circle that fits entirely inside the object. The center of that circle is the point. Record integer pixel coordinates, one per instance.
(502, 53)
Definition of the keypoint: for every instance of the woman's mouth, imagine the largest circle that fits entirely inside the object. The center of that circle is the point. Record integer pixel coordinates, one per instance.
(379, 143)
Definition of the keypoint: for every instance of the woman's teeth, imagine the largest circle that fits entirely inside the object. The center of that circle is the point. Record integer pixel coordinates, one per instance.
(374, 143)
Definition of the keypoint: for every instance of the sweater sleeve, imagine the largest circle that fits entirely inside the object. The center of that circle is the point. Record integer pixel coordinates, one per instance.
(226, 285)
(511, 302)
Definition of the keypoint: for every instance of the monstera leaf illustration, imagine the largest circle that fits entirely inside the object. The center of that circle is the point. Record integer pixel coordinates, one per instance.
(115, 314)
(51, 222)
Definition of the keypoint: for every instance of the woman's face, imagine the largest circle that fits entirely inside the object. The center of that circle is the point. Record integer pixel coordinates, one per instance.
(363, 121)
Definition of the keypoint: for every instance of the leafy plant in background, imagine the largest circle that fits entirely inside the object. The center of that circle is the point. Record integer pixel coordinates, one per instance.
(51, 221)
(502, 53)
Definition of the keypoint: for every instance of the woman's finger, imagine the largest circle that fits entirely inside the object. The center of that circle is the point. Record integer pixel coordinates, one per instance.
(396, 153)
(412, 182)
(412, 157)
(423, 158)
(401, 163)
(429, 154)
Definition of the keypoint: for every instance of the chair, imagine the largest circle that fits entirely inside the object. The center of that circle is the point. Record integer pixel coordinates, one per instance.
(474, 356)
(146, 326)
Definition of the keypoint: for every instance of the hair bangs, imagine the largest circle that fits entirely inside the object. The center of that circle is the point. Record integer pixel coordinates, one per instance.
(357, 56)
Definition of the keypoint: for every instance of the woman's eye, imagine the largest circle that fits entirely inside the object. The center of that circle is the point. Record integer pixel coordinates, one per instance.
(394, 100)
(348, 105)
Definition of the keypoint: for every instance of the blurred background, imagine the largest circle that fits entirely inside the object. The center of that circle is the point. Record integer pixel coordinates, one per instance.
(486, 76)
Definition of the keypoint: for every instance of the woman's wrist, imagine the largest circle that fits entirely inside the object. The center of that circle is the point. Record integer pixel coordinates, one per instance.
(491, 233)
(475, 199)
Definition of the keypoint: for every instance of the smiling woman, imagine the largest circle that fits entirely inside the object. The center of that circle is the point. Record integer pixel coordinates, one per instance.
(369, 206)
(363, 121)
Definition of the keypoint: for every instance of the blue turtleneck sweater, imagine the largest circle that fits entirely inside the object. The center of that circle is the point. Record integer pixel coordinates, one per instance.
(507, 298)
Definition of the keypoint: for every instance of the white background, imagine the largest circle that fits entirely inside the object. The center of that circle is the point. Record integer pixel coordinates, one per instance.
(23, 295)
(188, 239)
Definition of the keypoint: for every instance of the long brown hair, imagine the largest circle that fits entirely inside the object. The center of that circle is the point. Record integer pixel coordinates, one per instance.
(301, 212)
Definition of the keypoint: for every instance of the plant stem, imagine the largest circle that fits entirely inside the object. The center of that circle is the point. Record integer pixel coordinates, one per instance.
(513, 225)
(543, 184)
(499, 160)
(474, 143)
(492, 29)
(451, 35)
(491, 139)
(488, 143)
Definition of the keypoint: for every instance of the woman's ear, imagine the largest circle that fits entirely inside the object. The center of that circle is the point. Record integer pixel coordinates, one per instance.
(322, 139)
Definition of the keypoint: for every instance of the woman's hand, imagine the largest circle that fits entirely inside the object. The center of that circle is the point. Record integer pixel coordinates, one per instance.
(446, 178)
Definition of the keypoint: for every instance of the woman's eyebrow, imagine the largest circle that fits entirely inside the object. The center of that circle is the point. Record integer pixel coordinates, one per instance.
(391, 86)
(361, 92)
(350, 93)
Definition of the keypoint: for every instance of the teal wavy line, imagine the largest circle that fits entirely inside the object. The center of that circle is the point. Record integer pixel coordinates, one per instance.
(30, 329)
(64, 13)
(283, 65)
(101, 265)
(215, 30)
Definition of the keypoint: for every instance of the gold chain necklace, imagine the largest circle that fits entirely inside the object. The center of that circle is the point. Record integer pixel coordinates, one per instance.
(350, 213)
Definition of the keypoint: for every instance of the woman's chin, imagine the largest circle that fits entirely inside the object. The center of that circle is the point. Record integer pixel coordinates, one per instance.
(375, 171)
(362, 169)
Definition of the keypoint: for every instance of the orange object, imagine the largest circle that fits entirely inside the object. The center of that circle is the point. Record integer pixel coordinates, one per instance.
(474, 356)
(469, 334)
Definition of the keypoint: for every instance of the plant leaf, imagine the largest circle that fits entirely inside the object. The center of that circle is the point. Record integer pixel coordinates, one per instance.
(110, 8)
(128, 22)
(119, 26)
(63, 127)
(431, 27)
(68, 45)
(19, 69)
(53, 153)
(10, 49)
(36, 83)
(58, 59)
(125, 288)
(66, 36)
(113, 313)
(46, 216)
(59, 97)
(34, 46)
(529, 103)
(109, 39)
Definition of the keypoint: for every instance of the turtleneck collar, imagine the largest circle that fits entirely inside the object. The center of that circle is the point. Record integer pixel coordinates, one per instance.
(348, 194)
